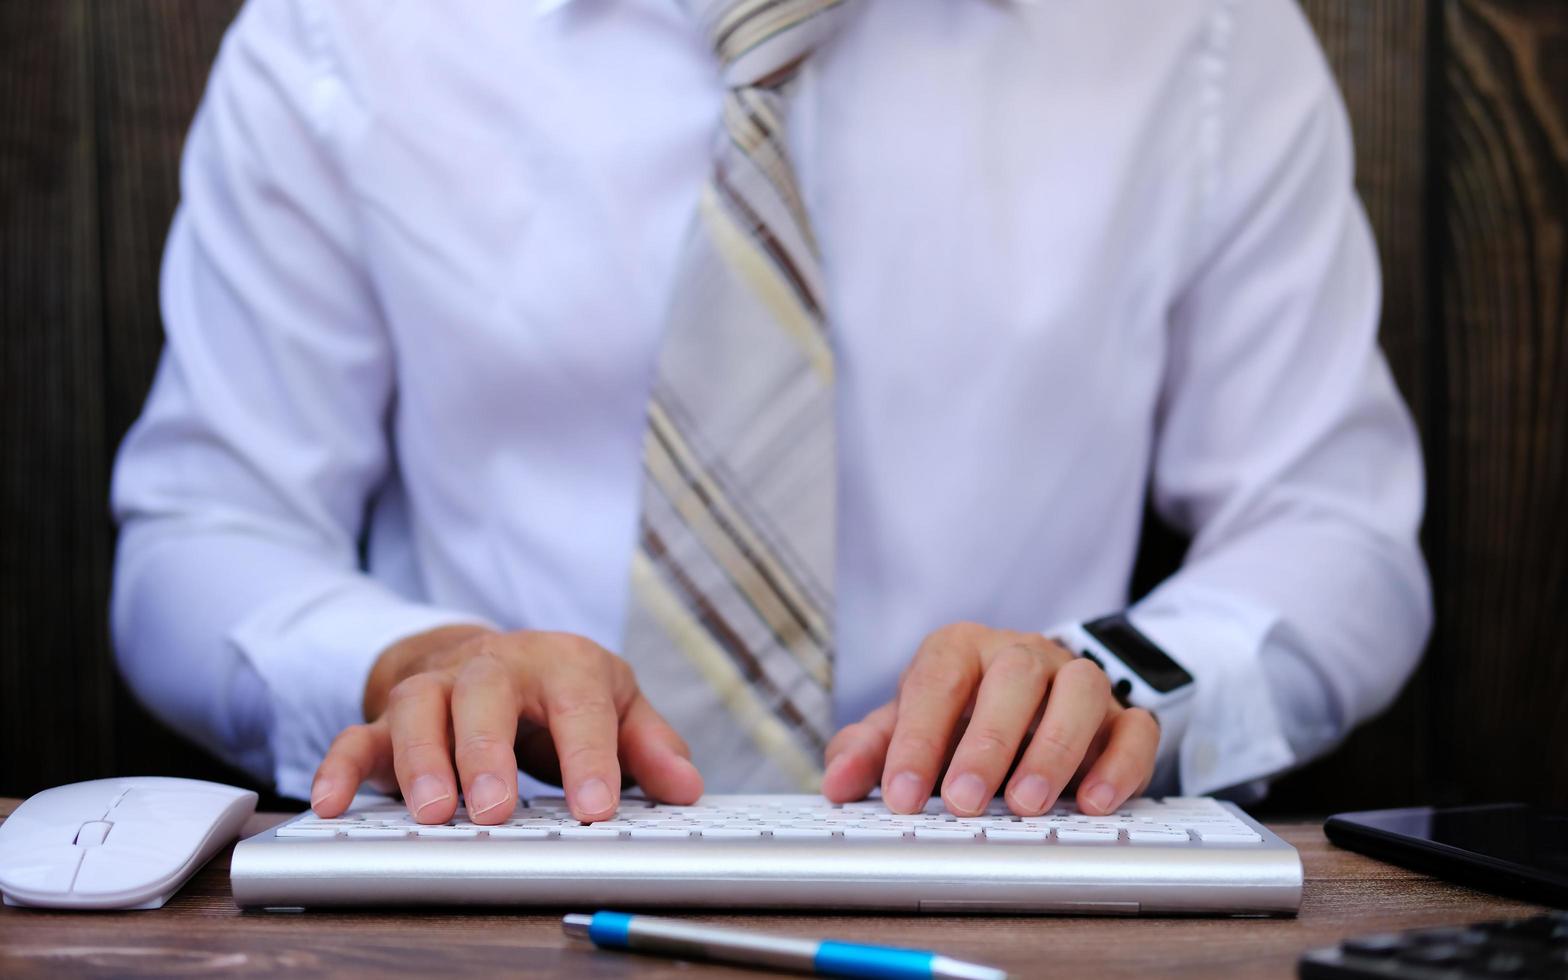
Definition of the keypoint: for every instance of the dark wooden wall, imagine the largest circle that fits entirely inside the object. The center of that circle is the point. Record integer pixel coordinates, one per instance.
(1461, 116)
(95, 97)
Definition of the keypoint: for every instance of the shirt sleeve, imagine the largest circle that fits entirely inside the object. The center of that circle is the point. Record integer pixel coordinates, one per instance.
(1284, 449)
(240, 613)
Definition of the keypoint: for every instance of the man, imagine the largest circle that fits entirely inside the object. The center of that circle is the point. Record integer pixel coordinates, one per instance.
(473, 449)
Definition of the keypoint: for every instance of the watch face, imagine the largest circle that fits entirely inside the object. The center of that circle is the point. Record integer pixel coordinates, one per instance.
(1140, 655)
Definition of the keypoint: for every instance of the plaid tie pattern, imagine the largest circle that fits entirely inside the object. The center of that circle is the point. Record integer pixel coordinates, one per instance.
(731, 625)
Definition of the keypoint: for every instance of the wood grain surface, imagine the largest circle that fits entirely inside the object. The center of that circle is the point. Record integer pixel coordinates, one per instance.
(1380, 52)
(201, 931)
(56, 679)
(1460, 110)
(151, 60)
(95, 99)
(1503, 545)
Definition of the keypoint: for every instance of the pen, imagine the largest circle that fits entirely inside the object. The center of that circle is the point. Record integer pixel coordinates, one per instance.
(647, 934)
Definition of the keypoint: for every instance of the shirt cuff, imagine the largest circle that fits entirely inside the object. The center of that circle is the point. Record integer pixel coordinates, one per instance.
(1230, 736)
(313, 648)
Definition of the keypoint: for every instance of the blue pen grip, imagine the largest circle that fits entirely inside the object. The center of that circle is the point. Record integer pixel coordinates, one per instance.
(874, 962)
(611, 929)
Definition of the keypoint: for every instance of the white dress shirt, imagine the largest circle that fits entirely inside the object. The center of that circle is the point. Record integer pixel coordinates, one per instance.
(1074, 249)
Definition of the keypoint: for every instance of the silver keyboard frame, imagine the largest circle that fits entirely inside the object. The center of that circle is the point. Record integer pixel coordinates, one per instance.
(903, 875)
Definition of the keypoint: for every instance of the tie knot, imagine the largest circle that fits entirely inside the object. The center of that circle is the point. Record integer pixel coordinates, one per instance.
(762, 42)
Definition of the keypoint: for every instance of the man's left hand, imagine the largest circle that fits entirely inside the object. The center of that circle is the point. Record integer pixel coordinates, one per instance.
(980, 703)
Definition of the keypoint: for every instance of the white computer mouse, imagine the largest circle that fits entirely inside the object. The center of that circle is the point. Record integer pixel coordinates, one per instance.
(124, 843)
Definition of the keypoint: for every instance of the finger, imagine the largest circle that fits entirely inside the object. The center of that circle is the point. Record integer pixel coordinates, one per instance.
(933, 695)
(417, 715)
(484, 728)
(359, 753)
(1010, 693)
(656, 756)
(1080, 696)
(855, 755)
(579, 698)
(1126, 764)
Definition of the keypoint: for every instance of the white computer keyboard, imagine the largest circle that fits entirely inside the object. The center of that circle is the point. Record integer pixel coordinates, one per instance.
(1187, 856)
(1143, 821)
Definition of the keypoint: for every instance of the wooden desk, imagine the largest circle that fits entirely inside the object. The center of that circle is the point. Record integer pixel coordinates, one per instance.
(201, 931)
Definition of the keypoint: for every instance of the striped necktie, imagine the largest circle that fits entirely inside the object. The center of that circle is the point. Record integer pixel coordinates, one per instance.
(731, 624)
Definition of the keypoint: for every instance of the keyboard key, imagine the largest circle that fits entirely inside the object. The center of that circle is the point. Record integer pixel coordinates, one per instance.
(1228, 835)
(1535, 927)
(1458, 936)
(584, 830)
(1157, 835)
(1438, 954)
(1507, 964)
(505, 832)
(442, 830)
(1377, 944)
(461, 816)
(659, 833)
(802, 832)
(954, 832)
(1018, 832)
(1084, 835)
(376, 833)
(731, 832)
(871, 832)
(305, 830)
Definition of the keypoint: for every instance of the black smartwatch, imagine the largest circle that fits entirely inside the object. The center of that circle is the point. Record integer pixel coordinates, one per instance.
(1142, 675)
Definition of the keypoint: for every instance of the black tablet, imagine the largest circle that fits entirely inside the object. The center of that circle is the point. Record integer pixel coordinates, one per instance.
(1508, 848)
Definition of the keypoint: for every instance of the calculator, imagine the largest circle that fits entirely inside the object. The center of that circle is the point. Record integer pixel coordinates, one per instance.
(1533, 947)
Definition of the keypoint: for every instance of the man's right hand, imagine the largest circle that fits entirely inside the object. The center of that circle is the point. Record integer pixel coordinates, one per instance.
(466, 706)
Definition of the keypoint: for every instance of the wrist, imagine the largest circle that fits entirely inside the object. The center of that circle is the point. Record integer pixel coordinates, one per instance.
(406, 657)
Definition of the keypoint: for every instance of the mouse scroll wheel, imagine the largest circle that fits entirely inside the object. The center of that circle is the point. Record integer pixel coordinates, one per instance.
(92, 833)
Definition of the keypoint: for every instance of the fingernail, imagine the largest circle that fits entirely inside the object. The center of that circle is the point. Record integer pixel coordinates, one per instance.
(967, 793)
(427, 791)
(593, 796)
(322, 790)
(836, 766)
(1031, 793)
(906, 793)
(1101, 796)
(487, 793)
